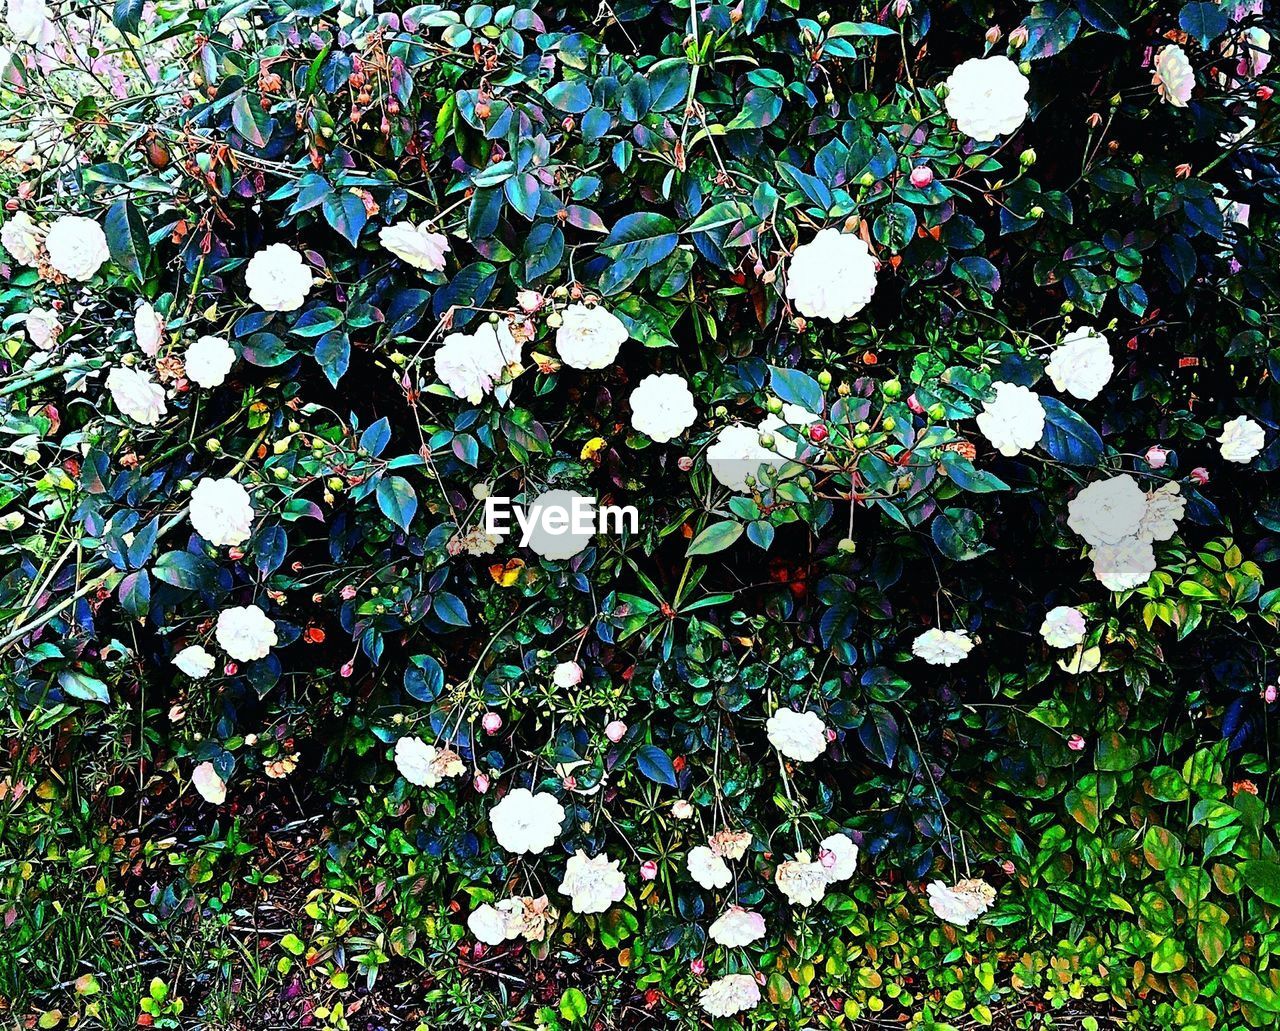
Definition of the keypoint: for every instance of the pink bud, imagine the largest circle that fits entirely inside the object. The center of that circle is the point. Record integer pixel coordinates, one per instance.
(697, 968)
(1076, 743)
(347, 669)
(921, 176)
(685, 463)
(993, 35)
(348, 592)
(235, 554)
(914, 404)
(1269, 693)
(481, 783)
(648, 870)
(1008, 867)
(492, 722)
(615, 730)
(1157, 456)
(231, 669)
(901, 8)
(827, 858)
(1018, 37)
(1200, 474)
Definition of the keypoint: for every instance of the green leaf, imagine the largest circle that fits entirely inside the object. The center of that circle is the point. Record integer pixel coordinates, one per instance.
(126, 15)
(656, 765)
(346, 213)
(716, 537)
(398, 500)
(760, 107)
(1067, 437)
(958, 534)
(82, 686)
(250, 121)
(127, 238)
(1263, 878)
(573, 1005)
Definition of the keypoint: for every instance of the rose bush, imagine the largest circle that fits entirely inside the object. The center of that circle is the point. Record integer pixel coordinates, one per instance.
(935, 347)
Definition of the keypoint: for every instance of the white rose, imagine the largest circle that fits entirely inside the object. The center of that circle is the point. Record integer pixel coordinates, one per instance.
(194, 661)
(589, 338)
(733, 993)
(1242, 440)
(245, 633)
(962, 904)
(562, 543)
(426, 765)
(1013, 421)
(43, 327)
(987, 97)
(832, 276)
(221, 512)
(1164, 508)
(277, 278)
(1063, 627)
(942, 647)
(838, 855)
(416, 245)
(1173, 76)
(148, 329)
(567, 674)
(1082, 364)
(22, 238)
(707, 868)
(470, 364)
(1124, 565)
(662, 407)
(212, 788)
(137, 395)
(208, 361)
(736, 927)
(491, 925)
(593, 884)
(1108, 511)
(801, 736)
(526, 822)
(29, 21)
(737, 454)
(77, 246)
(802, 880)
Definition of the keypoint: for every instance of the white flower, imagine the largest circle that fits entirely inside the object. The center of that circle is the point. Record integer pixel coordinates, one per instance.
(245, 633)
(662, 407)
(736, 927)
(560, 540)
(22, 238)
(737, 454)
(415, 245)
(1108, 511)
(208, 361)
(838, 855)
(137, 395)
(1165, 507)
(1081, 364)
(832, 276)
(29, 21)
(1242, 439)
(593, 884)
(1063, 627)
(802, 880)
(212, 788)
(526, 822)
(221, 512)
(1173, 76)
(470, 364)
(491, 925)
(942, 647)
(1123, 566)
(43, 327)
(426, 765)
(148, 329)
(589, 338)
(77, 246)
(797, 735)
(987, 97)
(566, 674)
(964, 903)
(194, 661)
(277, 278)
(707, 868)
(1013, 421)
(733, 993)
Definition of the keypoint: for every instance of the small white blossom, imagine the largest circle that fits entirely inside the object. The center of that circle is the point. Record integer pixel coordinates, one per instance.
(208, 361)
(1013, 420)
(550, 543)
(245, 633)
(962, 904)
(567, 674)
(1173, 76)
(22, 238)
(942, 647)
(801, 736)
(525, 822)
(77, 247)
(662, 407)
(1108, 511)
(137, 395)
(737, 454)
(43, 327)
(1082, 364)
(593, 884)
(1165, 507)
(148, 329)
(707, 868)
(792, 416)
(838, 855)
(426, 765)
(589, 337)
(832, 276)
(212, 788)
(1123, 566)
(1242, 440)
(278, 279)
(733, 993)
(469, 364)
(221, 512)
(491, 925)
(736, 927)
(29, 22)
(987, 97)
(802, 880)
(194, 661)
(415, 245)
(1063, 627)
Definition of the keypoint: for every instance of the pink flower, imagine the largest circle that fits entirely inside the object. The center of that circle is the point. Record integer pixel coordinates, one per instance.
(348, 592)
(1076, 743)
(1008, 867)
(921, 176)
(1156, 456)
(685, 463)
(1200, 474)
(1269, 693)
(481, 783)
(347, 669)
(492, 722)
(648, 870)
(1018, 37)
(914, 404)
(697, 968)
(615, 730)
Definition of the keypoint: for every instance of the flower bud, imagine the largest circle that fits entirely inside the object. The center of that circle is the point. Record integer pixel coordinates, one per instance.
(648, 870)
(492, 722)
(921, 176)
(615, 730)
(1156, 456)
(1027, 158)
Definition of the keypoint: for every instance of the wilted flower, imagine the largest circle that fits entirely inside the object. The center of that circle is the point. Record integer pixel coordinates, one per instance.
(426, 765)
(729, 844)
(802, 880)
